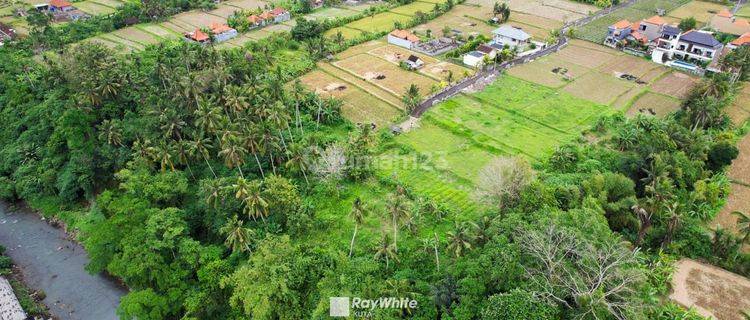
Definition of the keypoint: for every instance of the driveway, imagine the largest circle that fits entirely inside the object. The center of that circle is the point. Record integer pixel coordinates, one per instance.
(55, 265)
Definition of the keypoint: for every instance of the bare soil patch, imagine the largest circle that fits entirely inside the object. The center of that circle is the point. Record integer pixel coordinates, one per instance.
(385, 74)
(586, 57)
(675, 84)
(712, 291)
(654, 104)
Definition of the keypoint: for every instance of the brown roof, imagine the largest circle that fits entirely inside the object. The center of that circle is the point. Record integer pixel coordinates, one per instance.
(254, 19)
(197, 35)
(742, 40)
(657, 20)
(742, 23)
(404, 34)
(60, 3)
(724, 13)
(622, 24)
(639, 37)
(485, 49)
(219, 28)
(278, 11)
(266, 15)
(635, 26)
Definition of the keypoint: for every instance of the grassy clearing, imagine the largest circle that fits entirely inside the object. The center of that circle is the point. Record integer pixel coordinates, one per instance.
(739, 111)
(385, 74)
(675, 84)
(701, 11)
(654, 103)
(380, 22)
(596, 31)
(744, 11)
(598, 87)
(94, 8)
(414, 7)
(461, 18)
(541, 71)
(331, 12)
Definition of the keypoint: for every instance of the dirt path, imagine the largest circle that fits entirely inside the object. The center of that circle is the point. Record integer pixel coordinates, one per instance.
(52, 263)
(712, 291)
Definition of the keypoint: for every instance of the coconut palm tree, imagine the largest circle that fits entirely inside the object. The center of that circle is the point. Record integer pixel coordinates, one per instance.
(208, 117)
(233, 153)
(296, 160)
(212, 188)
(674, 219)
(238, 237)
(458, 240)
(430, 246)
(163, 155)
(743, 225)
(385, 250)
(358, 213)
(481, 230)
(201, 146)
(397, 209)
(109, 131)
(235, 99)
(256, 205)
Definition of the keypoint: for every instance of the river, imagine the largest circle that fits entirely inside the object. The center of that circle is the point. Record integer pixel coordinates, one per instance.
(52, 263)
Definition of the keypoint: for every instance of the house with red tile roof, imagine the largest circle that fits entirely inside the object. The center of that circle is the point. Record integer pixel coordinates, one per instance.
(617, 32)
(222, 32)
(402, 38)
(60, 6)
(280, 15)
(743, 40)
(726, 22)
(652, 27)
(255, 21)
(197, 36)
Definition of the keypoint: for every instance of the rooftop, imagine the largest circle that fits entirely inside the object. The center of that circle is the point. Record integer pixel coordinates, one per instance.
(60, 3)
(404, 34)
(219, 28)
(657, 20)
(197, 35)
(278, 11)
(512, 32)
(671, 30)
(700, 38)
(476, 54)
(622, 24)
(483, 48)
(742, 40)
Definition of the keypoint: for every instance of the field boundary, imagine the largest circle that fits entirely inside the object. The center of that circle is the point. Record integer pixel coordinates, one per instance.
(324, 68)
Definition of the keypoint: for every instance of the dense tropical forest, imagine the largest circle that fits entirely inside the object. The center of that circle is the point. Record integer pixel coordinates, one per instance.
(213, 185)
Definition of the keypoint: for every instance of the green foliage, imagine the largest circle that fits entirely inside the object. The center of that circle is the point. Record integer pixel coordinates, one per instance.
(517, 305)
(721, 154)
(688, 23)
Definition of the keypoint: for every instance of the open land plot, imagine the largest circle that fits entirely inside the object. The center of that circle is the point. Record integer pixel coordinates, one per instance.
(412, 8)
(739, 197)
(712, 291)
(359, 106)
(385, 74)
(128, 43)
(596, 30)
(137, 35)
(625, 100)
(587, 57)
(224, 11)
(550, 71)
(380, 22)
(245, 4)
(535, 32)
(654, 103)
(739, 111)
(744, 11)
(366, 86)
(551, 12)
(700, 10)
(360, 49)
(675, 84)
(573, 6)
(93, 8)
(598, 87)
(198, 19)
(158, 31)
(177, 26)
(347, 33)
(537, 21)
(458, 19)
(109, 3)
(628, 64)
(397, 54)
(331, 12)
(740, 169)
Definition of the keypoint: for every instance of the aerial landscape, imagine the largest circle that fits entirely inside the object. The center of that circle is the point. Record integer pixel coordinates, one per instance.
(385, 159)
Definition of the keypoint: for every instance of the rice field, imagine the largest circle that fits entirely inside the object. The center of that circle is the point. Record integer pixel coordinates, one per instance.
(654, 104)
(739, 111)
(385, 74)
(700, 10)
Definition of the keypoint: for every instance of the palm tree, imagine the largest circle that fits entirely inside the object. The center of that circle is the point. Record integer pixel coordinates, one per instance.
(458, 240)
(163, 155)
(207, 116)
(212, 189)
(385, 251)
(241, 188)
(142, 149)
(233, 153)
(430, 246)
(252, 136)
(358, 213)
(481, 230)
(397, 208)
(235, 99)
(110, 132)
(255, 205)
(743, 225)
(674, 219)
(296, 160)
(201, 146)
(411, 98)
(238, 237)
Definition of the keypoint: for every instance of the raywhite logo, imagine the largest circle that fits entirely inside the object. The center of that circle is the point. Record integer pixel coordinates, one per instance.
(340, 306)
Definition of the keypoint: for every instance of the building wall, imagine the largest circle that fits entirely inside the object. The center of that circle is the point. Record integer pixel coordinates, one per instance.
(652, 31)
(470, 60)
(225, 36)
(399, 42)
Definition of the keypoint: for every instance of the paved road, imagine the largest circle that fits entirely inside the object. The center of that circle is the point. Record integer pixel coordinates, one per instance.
(562, 41)
(55, 265)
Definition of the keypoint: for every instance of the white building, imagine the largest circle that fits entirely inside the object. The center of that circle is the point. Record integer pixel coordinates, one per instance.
(511, 36)
(474, 58)
(402, 38)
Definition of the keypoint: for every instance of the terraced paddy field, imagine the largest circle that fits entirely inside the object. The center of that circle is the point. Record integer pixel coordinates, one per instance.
(739, 111)
(384, 21)
(557, 10)
(458, 137)
(466, 19)
(596, 30)
(700, 10)
(593, 72)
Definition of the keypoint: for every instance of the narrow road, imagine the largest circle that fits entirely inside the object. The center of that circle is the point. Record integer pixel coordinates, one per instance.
(495, 70)
(52, 263)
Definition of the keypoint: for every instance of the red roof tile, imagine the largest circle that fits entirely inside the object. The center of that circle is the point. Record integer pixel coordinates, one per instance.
(622, 24)
(404, 34)
(657, 20)
(60, 3)
(197, 35)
